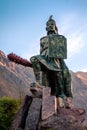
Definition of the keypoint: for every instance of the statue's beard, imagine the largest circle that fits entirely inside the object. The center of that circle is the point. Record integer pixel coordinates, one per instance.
(51, 32)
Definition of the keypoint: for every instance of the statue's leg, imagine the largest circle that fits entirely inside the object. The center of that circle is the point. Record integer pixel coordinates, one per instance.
(55, 81)
(59, 85)
(59, 91)
(67, 89)
(37, 70)
(67, 82)
(67, 85)
(45, 80)
(67, 79)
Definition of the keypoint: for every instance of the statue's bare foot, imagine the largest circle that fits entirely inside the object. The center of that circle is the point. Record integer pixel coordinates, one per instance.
(68, 102)
(36, 89)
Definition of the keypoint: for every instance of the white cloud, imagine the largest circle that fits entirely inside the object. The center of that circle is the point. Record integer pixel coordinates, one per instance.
(76, 42)
(67, 23)
(84, 70)
(75, 32)
(31, 51)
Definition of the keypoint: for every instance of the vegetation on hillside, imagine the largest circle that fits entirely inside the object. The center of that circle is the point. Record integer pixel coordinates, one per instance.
(8, 109)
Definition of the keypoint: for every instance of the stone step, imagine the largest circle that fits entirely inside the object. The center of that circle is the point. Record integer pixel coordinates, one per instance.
(20, 118)
(48, 103)
(33, 117)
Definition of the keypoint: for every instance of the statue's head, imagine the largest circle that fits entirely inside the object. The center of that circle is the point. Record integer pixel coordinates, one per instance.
(51, 26)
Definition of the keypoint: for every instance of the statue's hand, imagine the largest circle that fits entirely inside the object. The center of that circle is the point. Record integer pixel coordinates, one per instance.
(48, 58)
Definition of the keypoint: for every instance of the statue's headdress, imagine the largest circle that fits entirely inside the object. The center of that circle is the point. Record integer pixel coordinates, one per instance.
(50, 20)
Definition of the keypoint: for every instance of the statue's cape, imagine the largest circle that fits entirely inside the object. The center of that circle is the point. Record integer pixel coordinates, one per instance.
(47, 62)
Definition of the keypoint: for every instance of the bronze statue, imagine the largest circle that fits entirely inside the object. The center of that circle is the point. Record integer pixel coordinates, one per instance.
(49, 67)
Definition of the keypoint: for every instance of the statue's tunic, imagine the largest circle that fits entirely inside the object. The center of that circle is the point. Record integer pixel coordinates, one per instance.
(52, 49)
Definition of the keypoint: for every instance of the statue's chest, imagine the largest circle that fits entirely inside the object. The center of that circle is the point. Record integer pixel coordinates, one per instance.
(55, 45)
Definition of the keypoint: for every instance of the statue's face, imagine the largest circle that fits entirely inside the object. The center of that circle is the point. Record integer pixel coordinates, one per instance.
(50, 26)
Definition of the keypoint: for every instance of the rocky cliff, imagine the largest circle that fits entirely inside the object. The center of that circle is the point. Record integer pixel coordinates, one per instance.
(79, 89)
(14, 79)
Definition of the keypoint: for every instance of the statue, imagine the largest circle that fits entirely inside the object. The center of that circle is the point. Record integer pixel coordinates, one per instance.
(49, 67)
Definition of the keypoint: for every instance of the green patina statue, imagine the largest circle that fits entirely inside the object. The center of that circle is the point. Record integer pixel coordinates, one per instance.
(49, 67)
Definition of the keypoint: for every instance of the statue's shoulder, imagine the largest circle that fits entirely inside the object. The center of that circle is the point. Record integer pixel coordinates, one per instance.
(43, 38)
(60, 36)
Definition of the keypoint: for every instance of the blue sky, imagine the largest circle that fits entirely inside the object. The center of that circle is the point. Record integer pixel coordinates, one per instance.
(23, 22)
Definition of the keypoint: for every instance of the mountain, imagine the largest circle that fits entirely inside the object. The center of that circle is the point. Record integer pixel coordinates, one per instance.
(79, 89)
(15, 80)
